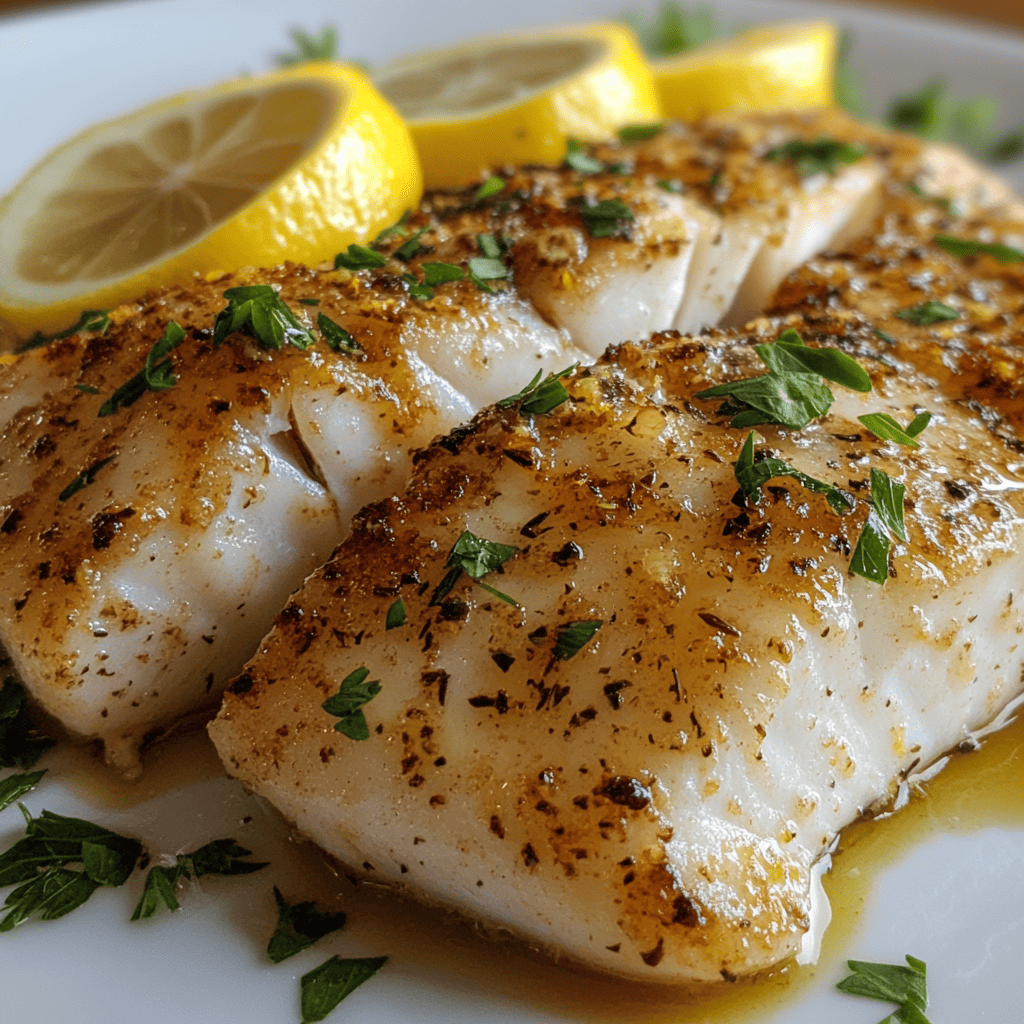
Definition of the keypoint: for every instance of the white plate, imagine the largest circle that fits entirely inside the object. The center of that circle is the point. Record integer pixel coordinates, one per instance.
(949, 891)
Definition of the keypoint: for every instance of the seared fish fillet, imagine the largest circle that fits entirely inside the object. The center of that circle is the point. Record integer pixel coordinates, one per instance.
(652, 798)
(132, 601)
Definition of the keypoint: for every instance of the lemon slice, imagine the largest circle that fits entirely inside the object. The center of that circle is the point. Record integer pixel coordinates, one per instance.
(295, 165)
(517, 99)
(775, 68)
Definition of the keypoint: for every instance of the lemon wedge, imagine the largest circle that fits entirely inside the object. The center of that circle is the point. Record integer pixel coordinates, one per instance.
(295, 165)
(517, 99)
(774, 68)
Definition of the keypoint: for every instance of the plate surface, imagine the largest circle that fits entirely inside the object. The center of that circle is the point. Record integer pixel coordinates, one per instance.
(942, 882)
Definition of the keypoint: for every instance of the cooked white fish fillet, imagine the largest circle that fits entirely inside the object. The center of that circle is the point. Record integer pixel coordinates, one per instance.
(650, 801)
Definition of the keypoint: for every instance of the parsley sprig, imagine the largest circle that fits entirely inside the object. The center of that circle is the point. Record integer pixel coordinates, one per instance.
(219, 857)
(156, 375)
(906, 987)
(539, 397)
(475, 557)
(347, 704)
(258, 310)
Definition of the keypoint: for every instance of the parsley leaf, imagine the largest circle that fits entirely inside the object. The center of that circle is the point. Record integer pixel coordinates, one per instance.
(90, 320)
(677, 28)
(299, 925)
(492, 186)
(887, 497)
(752, 475)
(218, 857)
(417, 289)
(337, 338)
(891, 983)
(38, 866)
(258, 310)
(940, 201)
(323, 988)
(968, 247)
(413, 247)
(85, 478)
(310, 47)
(823, 156)
(631, 133)
(790, 354)
(16, 786)
(476, 557)
(928, 313)
(398, 229)
(358, 257)
(871, 555)
(396, 615)
(540, 397)
(574, 636)
(884, 426)
(489, 246)
(603, 219)
(154, 376)
(21, 745)
(579, 160)
(348, 702)
(435, 274)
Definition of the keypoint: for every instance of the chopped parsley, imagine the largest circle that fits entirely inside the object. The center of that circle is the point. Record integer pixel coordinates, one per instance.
(574, 636)
(884, 426)
(579, 160)
(21, 744)
(258, 310)
(348, 702)
(753, 474)
(324, 987)
(299, 925)
(413, 247)
(822, 156)
(639, 133)
(396, 230)
(871, 555)
(604, 219)
(219, 857)
(90, 320)
(940, 201)
(540, 397)
(154, 376)
(435, 274)
(487, 268)
(491, 187)
(16, 786)
(38, 865)
(310, 302)
(906, 987)
(358, 257)
(310, 47)
(85, 478)
(673, 186)
(490, 246)
(791, 394)
(337, 338)
(417, 289)
(396, 615)
(968, 247)
(927, 313)
(475, 557)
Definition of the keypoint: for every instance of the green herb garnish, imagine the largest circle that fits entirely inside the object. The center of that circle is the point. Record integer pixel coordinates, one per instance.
(490, 246)
(413, 247)
(966, 247)
(258, 310)
(540, 397)
(673, 186)
(358, 257)
(579, 160)
(603, 219)
(492, 186)
(38, 866)
(308, 47)
(487, 268)
(752, 475)
(90, 320)
(85, 478)
(21, 745)
(574, 636)
(871, 555)
(16, 786)
(675, 29)
(882, 425)
(398, 229)
(891, 983)
(417, 289)
(475, 557)
(435, 274)
(940, 201)
(337, 338)
(846, 86)
(823, 156)
(396, 615)
(323, 988)
(154, 376)
(348, 702)
(219, 857)
(928, 313)
(299, 925)
(639, 133)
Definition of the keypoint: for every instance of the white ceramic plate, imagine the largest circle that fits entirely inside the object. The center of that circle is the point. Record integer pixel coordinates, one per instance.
(947, 890)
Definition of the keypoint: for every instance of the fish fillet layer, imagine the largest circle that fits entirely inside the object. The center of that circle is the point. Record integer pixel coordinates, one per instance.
(130, 603)
(653, 804)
